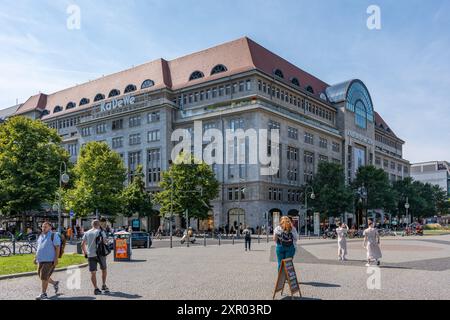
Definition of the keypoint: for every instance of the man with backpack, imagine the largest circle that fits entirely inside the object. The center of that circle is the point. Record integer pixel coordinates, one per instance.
(47, 254)
(95, 249)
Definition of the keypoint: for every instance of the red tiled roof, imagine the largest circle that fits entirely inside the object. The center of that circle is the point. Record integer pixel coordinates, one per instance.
(238, 56)
(381, 124)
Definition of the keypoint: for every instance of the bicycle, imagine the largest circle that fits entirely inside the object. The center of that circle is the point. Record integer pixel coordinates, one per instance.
(28, 248)
(5, 251)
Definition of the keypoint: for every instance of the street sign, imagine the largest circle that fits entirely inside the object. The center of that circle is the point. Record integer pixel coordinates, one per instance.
(72, 214)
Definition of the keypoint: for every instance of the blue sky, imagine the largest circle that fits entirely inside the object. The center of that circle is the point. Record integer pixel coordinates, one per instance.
(406, 64)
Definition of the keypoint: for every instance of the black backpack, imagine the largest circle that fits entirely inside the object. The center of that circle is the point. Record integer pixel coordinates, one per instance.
(102, 249)
(63, 239)
(286, 239)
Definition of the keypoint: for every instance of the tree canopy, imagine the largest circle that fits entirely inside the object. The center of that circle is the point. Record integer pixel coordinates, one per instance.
(99, 181)
(332, 196)
(188, 187)
(30, 160)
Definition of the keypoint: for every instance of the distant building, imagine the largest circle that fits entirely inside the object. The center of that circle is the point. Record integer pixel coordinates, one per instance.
(433, 172)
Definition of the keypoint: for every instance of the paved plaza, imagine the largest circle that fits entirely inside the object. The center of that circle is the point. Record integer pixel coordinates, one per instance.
(412, 268)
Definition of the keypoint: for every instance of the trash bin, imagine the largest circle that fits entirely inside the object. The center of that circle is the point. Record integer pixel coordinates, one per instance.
(122, 246)
(79, 250)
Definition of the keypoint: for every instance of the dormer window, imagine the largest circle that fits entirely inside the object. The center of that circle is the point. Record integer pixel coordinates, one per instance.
(114, 93)
(147, 84)
(99, 97)
(219, 69)
(130, 88)
(310, 89)
(278, 73)
(84, 101)
(295, 82)
(57, 109)
(70, 105)
(196, 75)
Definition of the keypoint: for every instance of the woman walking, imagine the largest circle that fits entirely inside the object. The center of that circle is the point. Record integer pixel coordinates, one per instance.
(342, 241)
(372, 244)
(286, 237)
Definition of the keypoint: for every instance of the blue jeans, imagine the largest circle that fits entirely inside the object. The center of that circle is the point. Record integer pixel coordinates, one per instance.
(284, 253)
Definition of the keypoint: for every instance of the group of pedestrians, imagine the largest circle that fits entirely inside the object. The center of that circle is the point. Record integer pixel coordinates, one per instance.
(286, 238)
(49, 248)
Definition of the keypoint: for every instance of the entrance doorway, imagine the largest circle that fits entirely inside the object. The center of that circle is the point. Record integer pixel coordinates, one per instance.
(236, 218)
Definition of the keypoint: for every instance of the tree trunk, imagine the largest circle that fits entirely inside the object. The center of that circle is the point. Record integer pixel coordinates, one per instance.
(24, 222)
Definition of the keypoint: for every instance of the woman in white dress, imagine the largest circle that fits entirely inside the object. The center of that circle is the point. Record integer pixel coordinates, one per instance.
(372, 244)
(342, 241)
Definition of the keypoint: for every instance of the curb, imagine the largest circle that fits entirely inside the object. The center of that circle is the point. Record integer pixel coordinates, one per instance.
(34, 273)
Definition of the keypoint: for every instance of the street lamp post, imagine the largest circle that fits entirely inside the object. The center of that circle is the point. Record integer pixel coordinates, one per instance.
(63, 178)
(313, 196)
(362, 192)
(407, 206)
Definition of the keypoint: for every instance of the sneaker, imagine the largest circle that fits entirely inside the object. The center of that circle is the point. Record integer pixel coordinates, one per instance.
(43, 296)
(378, 263)
(105, 289)
(97, 292)
(368, 264)
(56, 287)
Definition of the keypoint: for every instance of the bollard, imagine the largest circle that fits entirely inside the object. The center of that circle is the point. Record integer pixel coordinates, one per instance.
(233, 239)
(259, 239)
(220, 236)
(204, 239)
(14, 245)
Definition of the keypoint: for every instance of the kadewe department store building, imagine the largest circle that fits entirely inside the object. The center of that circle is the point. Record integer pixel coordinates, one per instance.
(236, 85)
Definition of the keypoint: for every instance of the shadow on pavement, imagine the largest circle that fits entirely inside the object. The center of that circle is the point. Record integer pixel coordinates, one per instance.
(132, 261)
(301, 299)
(61, 297)
(123, 295)
(320, 285)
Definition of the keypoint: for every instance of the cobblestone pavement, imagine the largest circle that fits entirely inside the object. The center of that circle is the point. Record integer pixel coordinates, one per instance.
(412, 268)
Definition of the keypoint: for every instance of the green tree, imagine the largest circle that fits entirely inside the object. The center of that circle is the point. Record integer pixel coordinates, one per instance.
(30, 159)
(188, 187)
(379, 192)
(333, 197)
(136, 199)
(99, 181)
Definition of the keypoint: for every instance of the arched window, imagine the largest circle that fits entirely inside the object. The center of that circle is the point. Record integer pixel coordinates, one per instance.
(310, 89)
(219, 69)
(130, 88)
(70, 105)
(360, 114)
(295, 82)
(278, 73)
(99, 97)
(45, 113)
(114, 93)
(57, 109)
(196, 75)
(84, 101)
(147, 84)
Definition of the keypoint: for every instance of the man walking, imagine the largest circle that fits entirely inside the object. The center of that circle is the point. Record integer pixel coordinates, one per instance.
(47, 255)
(89, 244)
(248, 238)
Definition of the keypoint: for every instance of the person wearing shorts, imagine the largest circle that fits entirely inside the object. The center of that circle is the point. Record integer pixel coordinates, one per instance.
(47, 255)
(89, 246)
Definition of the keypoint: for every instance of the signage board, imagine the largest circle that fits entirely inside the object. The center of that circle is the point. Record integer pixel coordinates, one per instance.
(287, 274)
